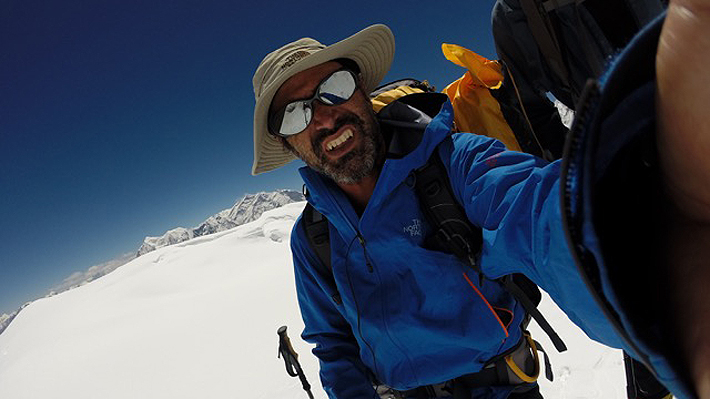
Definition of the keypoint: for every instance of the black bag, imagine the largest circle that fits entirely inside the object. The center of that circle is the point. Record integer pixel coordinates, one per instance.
(555, 46)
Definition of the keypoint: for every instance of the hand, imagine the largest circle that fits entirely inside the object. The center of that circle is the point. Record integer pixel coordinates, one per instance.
(683, 77)
(683, 73)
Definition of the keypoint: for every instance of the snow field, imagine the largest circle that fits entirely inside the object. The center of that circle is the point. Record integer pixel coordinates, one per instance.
(199, 320)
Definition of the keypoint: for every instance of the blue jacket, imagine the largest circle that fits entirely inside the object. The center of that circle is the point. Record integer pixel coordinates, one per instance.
(414, 316)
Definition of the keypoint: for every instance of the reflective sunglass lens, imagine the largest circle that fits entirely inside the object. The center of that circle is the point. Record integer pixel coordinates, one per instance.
(295, 117)
(337, 89)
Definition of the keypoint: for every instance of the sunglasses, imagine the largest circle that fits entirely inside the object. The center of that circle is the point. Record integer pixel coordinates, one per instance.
(334, 89)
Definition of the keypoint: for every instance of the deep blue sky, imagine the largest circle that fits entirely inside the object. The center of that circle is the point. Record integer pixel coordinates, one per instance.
(121, 119)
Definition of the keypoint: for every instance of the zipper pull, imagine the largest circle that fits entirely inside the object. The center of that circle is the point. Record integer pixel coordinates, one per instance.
(364, 253)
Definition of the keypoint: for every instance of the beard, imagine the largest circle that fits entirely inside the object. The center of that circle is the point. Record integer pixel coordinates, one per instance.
(351, 168)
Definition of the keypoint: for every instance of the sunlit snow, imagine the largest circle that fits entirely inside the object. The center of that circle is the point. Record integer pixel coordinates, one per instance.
(199, 319)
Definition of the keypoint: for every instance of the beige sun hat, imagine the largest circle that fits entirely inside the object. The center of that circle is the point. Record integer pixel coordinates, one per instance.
(372, 49)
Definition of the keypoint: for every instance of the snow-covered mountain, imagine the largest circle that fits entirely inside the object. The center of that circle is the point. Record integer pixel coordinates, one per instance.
(6, 319)
(77, 279)
(198, 320)
(246, 210)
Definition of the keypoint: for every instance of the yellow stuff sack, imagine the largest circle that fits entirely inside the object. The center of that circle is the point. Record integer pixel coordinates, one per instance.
(475, 109)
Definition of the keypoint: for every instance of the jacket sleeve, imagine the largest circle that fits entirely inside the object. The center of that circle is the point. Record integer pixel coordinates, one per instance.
(603, 255)
(512, 196)
(515, 198)
(342, 373)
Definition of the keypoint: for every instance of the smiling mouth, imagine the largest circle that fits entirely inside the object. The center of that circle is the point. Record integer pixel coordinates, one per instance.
(338, 141)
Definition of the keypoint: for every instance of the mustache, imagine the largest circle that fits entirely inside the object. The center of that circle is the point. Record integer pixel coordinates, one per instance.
(322, 134)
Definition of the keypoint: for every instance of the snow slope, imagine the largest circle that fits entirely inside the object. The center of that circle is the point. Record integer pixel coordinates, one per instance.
(198, 320)
(246, 210)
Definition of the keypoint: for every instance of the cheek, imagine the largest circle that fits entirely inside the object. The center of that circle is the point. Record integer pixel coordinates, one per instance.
(300, 143)
(362, 107)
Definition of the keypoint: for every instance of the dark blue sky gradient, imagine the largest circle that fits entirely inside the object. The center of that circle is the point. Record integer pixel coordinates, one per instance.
(121, 119)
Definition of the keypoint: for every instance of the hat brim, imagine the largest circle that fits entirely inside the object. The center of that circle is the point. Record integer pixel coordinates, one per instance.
(372, 49)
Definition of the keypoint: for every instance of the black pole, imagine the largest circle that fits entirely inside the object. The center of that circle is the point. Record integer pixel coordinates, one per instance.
(293, 367)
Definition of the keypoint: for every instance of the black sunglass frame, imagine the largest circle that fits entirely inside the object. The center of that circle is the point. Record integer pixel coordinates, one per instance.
(275, 118)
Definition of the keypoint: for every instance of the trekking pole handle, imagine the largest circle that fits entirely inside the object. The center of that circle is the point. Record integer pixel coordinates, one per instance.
(291, 360)
(288, 353)
(287, 341)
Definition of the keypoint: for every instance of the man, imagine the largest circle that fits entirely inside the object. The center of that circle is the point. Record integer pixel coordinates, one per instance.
(408, 316)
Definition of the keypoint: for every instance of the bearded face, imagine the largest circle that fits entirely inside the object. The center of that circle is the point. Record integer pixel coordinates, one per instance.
(363, 158)
(341, 141)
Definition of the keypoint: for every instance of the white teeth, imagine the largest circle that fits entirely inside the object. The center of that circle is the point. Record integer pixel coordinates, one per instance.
(348, 133)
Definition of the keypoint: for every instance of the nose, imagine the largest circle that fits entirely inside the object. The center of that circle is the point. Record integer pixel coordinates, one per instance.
(324, 116)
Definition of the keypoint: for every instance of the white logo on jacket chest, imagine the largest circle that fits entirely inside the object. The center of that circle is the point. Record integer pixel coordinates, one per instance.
(414, 229)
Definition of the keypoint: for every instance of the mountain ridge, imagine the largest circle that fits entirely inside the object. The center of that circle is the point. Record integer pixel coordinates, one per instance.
(246, 210)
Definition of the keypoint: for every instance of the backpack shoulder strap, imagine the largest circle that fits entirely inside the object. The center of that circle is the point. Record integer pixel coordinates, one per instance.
(318, 235)
(454, 231)
(545, 37)
(317, 231)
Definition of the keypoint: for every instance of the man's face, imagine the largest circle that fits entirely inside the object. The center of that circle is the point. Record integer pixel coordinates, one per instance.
(342, 141)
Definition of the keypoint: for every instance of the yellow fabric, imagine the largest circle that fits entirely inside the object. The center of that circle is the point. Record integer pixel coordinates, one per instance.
(475, 109)
(387, 97)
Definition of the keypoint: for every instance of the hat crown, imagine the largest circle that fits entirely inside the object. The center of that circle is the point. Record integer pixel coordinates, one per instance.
(279, 61)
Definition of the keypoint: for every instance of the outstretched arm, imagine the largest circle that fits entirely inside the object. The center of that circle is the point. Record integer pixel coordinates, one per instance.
(683, 78)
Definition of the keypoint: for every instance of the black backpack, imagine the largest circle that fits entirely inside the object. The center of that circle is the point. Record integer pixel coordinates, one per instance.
(453, 232)
(576, 37)
(555, 46)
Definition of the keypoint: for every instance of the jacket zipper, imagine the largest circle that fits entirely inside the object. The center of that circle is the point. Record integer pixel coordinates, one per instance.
(357, 306)
(370, 268)
(585, 263)
(385, 316)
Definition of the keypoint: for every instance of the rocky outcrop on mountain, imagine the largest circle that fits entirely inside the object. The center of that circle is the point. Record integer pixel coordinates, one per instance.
(6, 319)
(244, 211)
